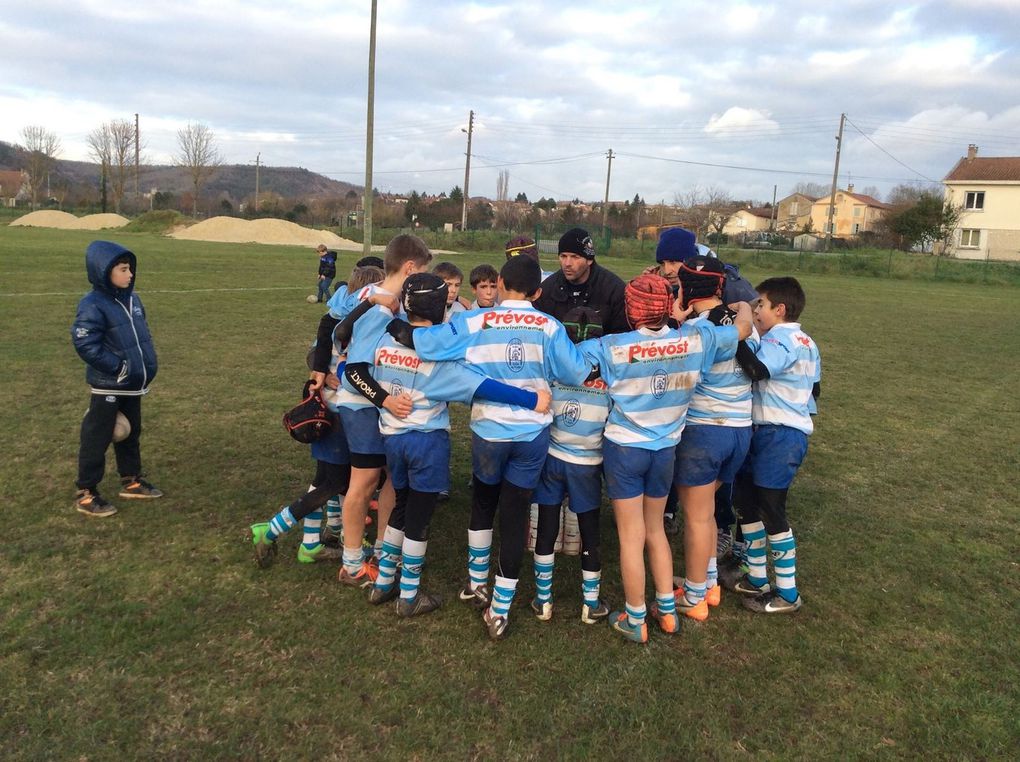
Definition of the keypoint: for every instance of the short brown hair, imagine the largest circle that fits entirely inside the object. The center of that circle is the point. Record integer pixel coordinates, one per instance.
(786, 291)
(448, 270)
(483, 272)
(405, 248)
(363, 276)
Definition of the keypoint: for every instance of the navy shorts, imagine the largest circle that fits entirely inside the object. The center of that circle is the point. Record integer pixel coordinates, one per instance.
(633, 471)
(776, 454)
(707, 453)
(580, 482)
(362, 428)
(333, 447)
(520, 463)
(419, 460)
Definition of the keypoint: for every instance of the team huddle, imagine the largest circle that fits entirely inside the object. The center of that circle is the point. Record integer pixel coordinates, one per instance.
(695, 393)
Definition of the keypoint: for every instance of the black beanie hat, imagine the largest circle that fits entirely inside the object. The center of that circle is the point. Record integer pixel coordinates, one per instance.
(577, 241)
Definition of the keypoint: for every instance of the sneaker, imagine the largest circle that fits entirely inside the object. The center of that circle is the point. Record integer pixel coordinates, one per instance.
(422, 603)
(496, 625)
(476, 597)
(332, 538)
(635, 633)
(744, 586)
(378, 596)
(731, 569)
(265, 549)
(697, 611)
(365, 576)
(135, 487)
(713, 596)
(672, 523)
(723, 543)
(772, 603)
(320, 552)
(594, 614)
(543, 611)
(444, 495)
(92, 504)
(668, 623)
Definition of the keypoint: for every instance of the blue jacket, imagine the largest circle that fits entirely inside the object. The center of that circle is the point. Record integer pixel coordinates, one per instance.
(109, 332)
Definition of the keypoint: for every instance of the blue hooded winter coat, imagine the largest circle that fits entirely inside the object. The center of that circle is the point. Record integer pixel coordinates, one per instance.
(109, 332)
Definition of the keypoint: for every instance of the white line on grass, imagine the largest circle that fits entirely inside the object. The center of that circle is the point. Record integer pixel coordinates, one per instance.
(169, 291)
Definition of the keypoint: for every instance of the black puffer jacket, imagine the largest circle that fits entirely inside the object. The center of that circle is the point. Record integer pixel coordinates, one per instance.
(604, 295)
(109, 332)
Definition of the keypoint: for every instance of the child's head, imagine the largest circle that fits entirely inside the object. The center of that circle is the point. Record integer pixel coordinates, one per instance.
(648, 300)
(701, 280)
(453, 278)
(363, 276)
(406, 254)
(371, 261)
(320, 249)
(782, 301)
(483, 283)
(121, 271)
(521, 245)
(520, 277)
(423, 297)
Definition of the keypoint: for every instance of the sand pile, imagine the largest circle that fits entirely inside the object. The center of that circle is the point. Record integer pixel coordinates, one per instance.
(51, 218)
(270, 231)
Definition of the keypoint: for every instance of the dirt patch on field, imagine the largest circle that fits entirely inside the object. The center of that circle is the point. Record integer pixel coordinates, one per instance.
(51, 218)
(268, 231)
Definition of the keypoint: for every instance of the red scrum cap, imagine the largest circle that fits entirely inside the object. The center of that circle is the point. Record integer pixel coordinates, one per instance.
(649, 300)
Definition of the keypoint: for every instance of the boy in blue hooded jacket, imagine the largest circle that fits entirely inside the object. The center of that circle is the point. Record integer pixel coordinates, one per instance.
(110, 334)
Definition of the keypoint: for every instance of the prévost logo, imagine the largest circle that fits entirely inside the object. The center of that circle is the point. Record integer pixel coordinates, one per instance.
(657, 350)
(512, 319)
(515, 355)
(398, 359)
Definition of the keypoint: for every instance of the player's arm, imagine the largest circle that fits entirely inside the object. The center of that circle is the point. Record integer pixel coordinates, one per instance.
(457, 382)
(448, 341)
(751, 365)
(87, 333)
(775, 355)
(345, 328)
(565, 362)
(360, 377)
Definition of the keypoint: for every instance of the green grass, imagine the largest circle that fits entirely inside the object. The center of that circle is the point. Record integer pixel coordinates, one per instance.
(153, 635)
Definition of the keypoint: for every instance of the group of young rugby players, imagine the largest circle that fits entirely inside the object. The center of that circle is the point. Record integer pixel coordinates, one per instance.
(698, 394)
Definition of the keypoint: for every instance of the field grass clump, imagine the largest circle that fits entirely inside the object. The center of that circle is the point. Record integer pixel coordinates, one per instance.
(156, 221)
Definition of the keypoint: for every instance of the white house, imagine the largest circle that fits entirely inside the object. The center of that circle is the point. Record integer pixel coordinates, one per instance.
(988, 192)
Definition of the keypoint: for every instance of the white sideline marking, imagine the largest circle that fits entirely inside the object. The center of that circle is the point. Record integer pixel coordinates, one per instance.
(169, 291)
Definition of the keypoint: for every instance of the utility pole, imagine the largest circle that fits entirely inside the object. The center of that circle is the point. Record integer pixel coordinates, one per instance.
(258, 156)
(137, 154)
(774, 215)
(605, 204)
(369, 130)
(467, 170)
(832, 192)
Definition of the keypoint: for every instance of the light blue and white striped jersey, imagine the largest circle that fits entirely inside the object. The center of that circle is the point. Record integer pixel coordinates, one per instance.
(431, 385)
(368, 329)
(452, 309)
(513, 343)
(794, 367)
(652, 376)
(579, 419)
(723, 396)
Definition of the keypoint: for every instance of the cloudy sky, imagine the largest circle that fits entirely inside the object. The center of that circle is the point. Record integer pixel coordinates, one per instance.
(738, 96)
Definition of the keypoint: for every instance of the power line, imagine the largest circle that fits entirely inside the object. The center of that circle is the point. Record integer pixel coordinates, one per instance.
(902, 164)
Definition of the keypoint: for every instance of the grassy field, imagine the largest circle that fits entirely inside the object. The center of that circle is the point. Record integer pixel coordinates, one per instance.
(153, 635)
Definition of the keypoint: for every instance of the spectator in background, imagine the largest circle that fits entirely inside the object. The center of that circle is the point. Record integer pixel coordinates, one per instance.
(327, 271)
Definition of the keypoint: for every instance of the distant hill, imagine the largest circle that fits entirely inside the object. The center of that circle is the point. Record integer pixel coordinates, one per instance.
(236, 180)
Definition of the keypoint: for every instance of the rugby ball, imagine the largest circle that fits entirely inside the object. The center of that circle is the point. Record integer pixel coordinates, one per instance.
(121, 428)
(311, 299)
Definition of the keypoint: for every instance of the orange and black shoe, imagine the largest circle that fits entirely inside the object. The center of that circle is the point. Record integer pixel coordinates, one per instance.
(364, 578)
(668, 623)
(91, 503)
(713, 596)
(134, 487)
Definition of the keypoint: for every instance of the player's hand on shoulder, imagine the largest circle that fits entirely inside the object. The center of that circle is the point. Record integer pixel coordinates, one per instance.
(544, 401)
(679, 313)
(388, 301)
(652, 270)
(400, 405)
(332, 381)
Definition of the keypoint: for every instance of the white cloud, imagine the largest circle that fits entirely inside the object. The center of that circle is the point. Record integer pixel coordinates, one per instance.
(737, 118)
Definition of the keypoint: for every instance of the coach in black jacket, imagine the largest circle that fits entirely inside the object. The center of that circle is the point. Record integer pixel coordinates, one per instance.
(581, 281)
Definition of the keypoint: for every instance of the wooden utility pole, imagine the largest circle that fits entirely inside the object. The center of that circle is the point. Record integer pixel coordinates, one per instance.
(258, 156)
(774, 216)
(605, 204)
(137, 154)
(369, 130)
(467, 170)
(832, 192)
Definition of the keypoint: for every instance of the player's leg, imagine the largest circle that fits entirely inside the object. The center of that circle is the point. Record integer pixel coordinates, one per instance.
(549, 495)
(658, 481)
(333, 462)
(129, 453)
(96, 435)
(487, 462)
(593, 609)
(625, 468)
(329, 480)
(745, 501)
(699, 539)
(413, 600)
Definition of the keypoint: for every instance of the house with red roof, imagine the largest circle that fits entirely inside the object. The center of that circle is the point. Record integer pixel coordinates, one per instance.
(13, 186)
(987, 191)
(853, 213)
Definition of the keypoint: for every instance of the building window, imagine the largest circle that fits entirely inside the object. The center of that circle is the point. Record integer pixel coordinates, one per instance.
(857, 211)
(970, 239)
(974, 200)
(857, 228)
(793, 208)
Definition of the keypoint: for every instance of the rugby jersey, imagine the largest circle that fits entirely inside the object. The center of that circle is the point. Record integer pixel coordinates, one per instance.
(579, 419)
(513, 343)
(723, 396)
(367, 331)
(431, 385)
(652, 375)
(794, 367)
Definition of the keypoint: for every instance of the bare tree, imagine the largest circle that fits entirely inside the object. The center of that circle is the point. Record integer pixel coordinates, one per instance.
(100, 148)
(122, 156)
(43, 148)
(814, 190)
(506, 211)
(196, 152)
(704, 210)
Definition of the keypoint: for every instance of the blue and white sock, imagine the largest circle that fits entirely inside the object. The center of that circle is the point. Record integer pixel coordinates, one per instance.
(665, 603)
(281, 523)
(694, 592)
(712, 578)
(503, 596)
(590, 583)
(754, 535)
(479, 548)
(544, 565)
(353, 559)
(784, 559)
(312, 527)
(388, 552)
(412, 561)
(335, 513)
(636, 615)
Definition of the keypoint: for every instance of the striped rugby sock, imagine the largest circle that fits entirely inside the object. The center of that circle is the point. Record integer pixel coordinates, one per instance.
(754, 535)
(784, 559)
(636, 615)
(388, 552)
(544, 565)
(335, 513)
(694, 592)
(503, 596)
(311, 527)
(479, 548)
(412, 561)
(712, 579)
(665, 603)
(590, 583)
(281, 523)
